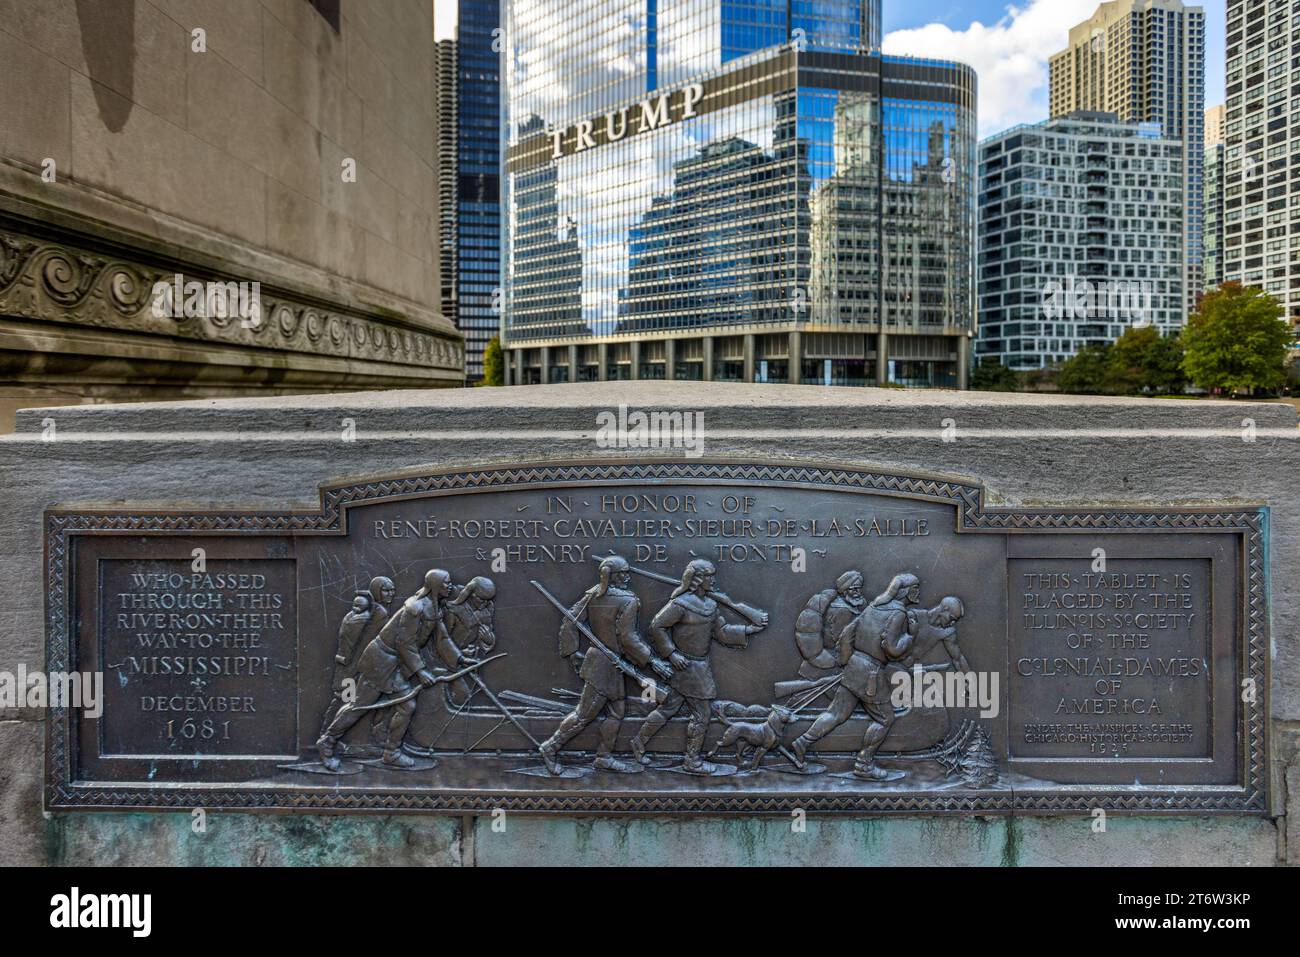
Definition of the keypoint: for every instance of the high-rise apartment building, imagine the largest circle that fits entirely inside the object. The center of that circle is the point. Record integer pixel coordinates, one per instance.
(1215, 155)
(1080, 237)
(1262, 194)
(1144, 61)
(469, 159)
(448, 163)
(718, 189)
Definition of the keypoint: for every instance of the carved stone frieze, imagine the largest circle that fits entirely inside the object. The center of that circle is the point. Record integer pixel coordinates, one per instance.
(60, 283)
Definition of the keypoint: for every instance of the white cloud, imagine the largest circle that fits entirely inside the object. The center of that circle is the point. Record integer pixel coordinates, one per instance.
(445, 15)
(1010, 56)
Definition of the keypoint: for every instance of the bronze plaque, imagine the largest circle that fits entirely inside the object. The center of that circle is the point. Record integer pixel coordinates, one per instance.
(657, 638)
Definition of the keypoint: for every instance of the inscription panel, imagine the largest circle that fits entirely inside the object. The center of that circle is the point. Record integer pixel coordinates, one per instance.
(695, 637)
(1111, 663)
(200, 664)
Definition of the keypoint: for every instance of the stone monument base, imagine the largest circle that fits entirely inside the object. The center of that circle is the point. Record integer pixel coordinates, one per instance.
(981, 497)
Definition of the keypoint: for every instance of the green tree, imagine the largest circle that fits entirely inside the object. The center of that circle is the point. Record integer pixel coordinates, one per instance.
(1237, 341)
(992, 376)
(1087, 372)
(1142, 360)
(494, 366)
(1166, 365)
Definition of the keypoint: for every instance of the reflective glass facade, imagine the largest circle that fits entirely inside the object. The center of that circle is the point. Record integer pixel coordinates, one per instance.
(478, 183)
(684, 170)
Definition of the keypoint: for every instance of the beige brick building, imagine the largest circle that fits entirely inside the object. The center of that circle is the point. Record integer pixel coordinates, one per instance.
(1214, 117)
(288, 143)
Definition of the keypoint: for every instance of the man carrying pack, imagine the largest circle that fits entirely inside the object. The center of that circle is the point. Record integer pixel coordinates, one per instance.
(819, 626)
(366, 619)
(881, 635)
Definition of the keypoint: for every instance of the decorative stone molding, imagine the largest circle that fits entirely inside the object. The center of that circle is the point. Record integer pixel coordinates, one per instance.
(58, 282)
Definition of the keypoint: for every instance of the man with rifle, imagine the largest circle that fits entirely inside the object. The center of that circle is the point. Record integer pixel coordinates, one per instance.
(609, 611)
(683, 632)
(391, 670)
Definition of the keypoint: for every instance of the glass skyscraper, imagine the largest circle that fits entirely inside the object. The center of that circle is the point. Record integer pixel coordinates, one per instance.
(733, 189)
(472, 137)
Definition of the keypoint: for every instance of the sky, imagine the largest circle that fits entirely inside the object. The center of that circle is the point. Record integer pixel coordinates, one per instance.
(444, 19)
(1008, 44)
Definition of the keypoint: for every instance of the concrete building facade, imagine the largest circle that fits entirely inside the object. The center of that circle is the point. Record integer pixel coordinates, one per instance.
(445, 106)
(282, 143)
(1262, 141)
(1215, 117)
(1080, 237)
(1144, 61)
